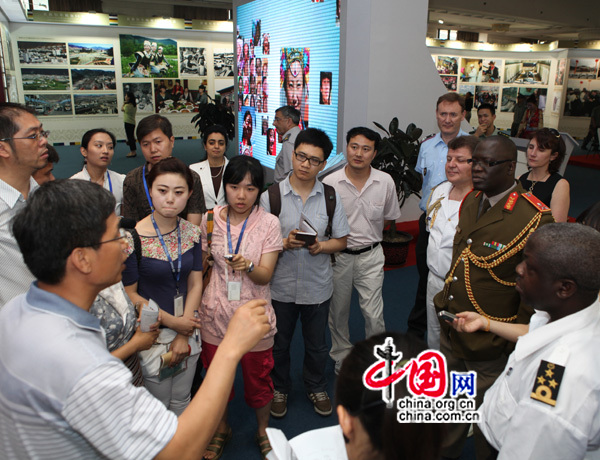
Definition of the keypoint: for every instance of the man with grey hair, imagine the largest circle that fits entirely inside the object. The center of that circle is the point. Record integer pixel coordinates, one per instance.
(546, 403)
(286, 123)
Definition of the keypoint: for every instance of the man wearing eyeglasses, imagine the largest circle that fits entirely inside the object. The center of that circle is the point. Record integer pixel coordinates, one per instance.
(62, 394)
(496, 219)
(23, 151)
(302, 283)
(286, 123)
(370, 201)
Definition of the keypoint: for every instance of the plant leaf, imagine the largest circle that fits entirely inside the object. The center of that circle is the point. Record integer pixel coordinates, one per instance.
(381, 128)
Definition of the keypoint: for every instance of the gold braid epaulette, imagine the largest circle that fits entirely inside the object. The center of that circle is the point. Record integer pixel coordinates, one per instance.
(492, 261)
(435, 207)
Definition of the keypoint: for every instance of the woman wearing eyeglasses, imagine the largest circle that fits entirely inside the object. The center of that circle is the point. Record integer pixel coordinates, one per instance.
(545, 154)
(167, 268)
(98, 149)
(245, 244)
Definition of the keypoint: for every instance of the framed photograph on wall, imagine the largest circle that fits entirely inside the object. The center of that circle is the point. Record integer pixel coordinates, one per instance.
(45, 79)
(148, 57)
(143, 95)
(586, 69)
(526, 72)
(42, 53)
(582, 97)
(223, 63)
(192, 61)
(510, 93)
(560, 72)
(486, 94)
(93, 80)
(91, 54)
(96, 104)
(50, 104)
(447, 65)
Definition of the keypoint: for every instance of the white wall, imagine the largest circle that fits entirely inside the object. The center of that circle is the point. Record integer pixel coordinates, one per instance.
(71, 128)
(386, 70)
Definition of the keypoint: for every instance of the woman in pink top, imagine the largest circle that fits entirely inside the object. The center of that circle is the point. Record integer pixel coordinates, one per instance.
(245, 244)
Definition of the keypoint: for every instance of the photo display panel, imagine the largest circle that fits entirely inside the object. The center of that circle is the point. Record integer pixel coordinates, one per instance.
(287, 53)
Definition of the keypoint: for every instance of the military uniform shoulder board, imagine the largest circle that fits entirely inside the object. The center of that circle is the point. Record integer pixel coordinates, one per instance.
(536, 202)
(547, 383)
(503, 133)
(511, 201)
(431, 136)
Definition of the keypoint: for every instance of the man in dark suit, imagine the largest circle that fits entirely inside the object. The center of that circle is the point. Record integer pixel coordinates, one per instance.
(495, 222)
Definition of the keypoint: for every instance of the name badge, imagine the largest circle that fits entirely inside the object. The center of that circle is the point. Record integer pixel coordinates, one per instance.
(178, 303)
(234, 290)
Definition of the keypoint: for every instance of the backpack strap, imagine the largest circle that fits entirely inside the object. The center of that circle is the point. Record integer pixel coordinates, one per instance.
(275, 199)
(330, 202)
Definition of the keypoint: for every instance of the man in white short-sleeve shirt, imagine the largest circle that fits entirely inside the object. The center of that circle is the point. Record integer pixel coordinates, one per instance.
(371, 202)
(62, 394)
(23, 151)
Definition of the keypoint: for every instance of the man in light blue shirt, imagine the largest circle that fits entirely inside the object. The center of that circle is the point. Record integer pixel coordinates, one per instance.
(302, 283)
(449, 113)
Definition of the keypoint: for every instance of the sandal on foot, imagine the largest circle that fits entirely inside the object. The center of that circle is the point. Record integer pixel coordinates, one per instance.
(263, 445)
(218, 442)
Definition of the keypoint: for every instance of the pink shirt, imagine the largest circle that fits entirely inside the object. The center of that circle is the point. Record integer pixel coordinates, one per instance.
(262, 235)
(366, 209)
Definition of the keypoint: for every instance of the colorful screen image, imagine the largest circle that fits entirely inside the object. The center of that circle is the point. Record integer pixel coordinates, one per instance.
(283, 63)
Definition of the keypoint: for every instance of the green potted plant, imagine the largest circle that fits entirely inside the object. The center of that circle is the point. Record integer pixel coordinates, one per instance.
(214, 114)
(397, 155)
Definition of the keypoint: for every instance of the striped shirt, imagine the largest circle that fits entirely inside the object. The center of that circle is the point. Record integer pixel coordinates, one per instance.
(62, 395)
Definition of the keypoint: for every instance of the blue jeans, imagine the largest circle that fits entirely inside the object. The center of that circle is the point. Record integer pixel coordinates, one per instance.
(314, 325)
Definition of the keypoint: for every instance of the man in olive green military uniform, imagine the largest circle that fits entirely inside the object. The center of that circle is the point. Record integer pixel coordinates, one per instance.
(495, 222)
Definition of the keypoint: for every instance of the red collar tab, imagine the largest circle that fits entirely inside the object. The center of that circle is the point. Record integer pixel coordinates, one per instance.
(512, 200)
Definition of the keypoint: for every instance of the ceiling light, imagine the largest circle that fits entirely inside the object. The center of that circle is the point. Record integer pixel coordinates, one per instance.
(441, 21)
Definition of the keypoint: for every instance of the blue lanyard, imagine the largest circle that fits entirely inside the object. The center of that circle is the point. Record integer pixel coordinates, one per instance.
(146, 188)
(109, 181)
(176, 273)
(237, 248)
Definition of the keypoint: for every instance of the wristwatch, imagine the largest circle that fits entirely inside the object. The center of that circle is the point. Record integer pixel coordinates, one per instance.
(250, 267)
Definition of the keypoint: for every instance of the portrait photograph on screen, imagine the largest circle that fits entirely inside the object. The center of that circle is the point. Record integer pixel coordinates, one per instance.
(281, 62)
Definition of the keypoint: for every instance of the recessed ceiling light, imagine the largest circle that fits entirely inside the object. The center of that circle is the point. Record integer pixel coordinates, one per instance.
(441, 21)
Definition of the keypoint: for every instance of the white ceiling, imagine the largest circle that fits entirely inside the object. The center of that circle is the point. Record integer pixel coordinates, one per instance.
(543, 20)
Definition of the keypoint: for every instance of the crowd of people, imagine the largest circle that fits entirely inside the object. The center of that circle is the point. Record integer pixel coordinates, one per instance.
(232, 267)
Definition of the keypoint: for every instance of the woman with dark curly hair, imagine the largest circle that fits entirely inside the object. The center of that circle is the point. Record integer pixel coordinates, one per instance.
(545, 154)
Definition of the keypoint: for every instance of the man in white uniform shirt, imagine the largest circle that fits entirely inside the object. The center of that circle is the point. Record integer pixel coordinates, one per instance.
(23, 151)
(371, 202)
(442, 218)
(546, 403)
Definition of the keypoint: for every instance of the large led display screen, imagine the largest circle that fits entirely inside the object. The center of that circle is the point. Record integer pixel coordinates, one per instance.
(287, 54)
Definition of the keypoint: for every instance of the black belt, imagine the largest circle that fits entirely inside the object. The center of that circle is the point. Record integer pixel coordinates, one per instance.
(355, 252)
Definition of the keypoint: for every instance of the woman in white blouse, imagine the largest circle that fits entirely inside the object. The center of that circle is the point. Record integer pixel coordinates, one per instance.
(98, 148)
(211, 169)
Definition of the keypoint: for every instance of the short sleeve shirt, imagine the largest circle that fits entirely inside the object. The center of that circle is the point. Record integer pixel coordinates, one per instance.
(431, 163)
(368, 208)
(300, 277)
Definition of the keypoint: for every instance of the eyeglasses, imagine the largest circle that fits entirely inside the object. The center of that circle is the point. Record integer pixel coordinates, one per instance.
(122, 233)
(486, 163)
(35, 136)
(314, 161)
